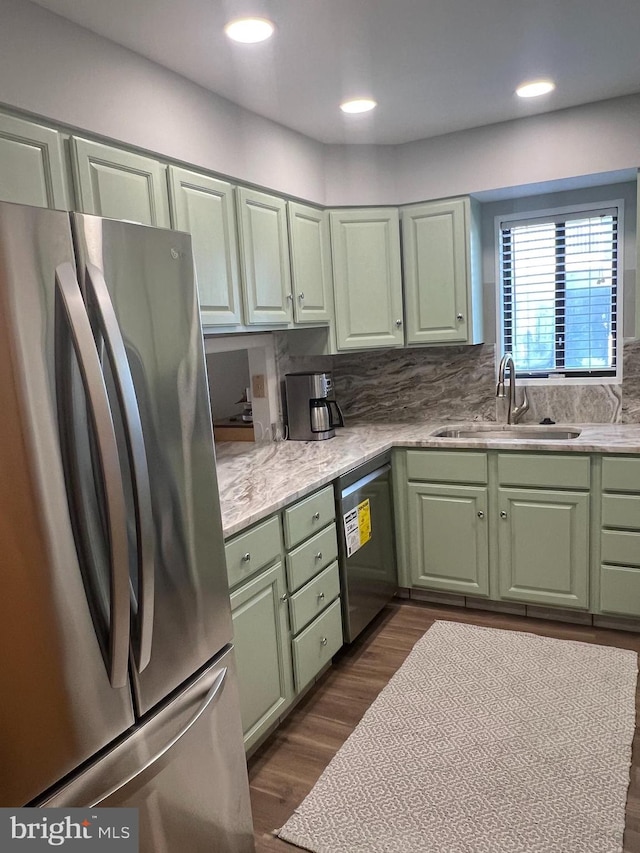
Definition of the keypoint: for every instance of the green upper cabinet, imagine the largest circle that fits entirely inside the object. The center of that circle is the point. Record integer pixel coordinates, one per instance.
(31, 164)
(119, 184)
(310, 263)
(365, 247)
(264, 258)
(442, 279)
(205, 207)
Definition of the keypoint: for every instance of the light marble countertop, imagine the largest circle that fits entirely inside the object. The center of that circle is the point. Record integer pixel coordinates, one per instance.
(256, 480)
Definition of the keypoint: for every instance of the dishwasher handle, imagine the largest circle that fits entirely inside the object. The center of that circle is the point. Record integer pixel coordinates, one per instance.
(364, 481)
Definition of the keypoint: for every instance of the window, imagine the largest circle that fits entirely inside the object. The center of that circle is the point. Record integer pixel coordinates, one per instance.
(559, 293)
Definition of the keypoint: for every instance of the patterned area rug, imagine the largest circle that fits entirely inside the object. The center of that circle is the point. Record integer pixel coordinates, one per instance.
(484, 741)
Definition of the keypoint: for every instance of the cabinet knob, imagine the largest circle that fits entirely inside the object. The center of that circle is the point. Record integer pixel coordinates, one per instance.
(321, 596)
(301, 296)
(284, 596)
(480, 514)
(398, 323)
(319, 555)
(323, 641)
(316, 516)
(459, 317)
(290, 297)
(246, 557)
(503, 514)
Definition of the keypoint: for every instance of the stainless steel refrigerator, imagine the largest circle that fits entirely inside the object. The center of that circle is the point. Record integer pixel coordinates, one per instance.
(117, 680)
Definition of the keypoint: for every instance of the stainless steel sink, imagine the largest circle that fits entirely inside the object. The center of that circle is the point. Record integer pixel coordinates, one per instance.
(532, 433)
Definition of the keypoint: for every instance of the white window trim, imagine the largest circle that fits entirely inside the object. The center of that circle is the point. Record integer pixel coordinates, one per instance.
(559, 379)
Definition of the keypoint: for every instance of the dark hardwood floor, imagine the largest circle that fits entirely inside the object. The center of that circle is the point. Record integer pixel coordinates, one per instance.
(287, 765)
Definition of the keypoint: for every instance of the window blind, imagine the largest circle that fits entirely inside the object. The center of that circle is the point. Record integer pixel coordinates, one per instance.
(559, 279)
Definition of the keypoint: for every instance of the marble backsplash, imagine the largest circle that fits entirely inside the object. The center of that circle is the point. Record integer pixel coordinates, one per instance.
(458, 384)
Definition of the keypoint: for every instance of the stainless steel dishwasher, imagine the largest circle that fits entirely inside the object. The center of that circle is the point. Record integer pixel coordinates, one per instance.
(366, 542)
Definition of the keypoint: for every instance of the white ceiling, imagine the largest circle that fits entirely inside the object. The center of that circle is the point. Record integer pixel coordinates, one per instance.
(434, 66)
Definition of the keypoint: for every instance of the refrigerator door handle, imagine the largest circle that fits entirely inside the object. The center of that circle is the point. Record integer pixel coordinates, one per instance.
(97, 289)
(149, 767)
(93, 381)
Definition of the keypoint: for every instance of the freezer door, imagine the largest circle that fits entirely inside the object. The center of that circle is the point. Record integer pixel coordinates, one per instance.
(144, 277)
(183, 769)
(58, 655)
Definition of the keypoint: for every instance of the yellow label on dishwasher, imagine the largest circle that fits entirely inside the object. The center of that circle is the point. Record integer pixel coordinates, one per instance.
(364, 521)
(357, 526)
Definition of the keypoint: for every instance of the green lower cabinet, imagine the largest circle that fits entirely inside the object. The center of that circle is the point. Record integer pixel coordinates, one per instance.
(263, 651)
(448, 538)
(543, 546)
(620, 590)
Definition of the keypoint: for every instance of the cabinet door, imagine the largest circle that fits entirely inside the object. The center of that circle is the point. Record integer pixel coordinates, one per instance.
(263, 651)
(365, 247)
(448, 539)
(544, 546)
(31, 164)
(205, 208)
(437, 272)
(310, 263)
(119, 184)
(264, 257)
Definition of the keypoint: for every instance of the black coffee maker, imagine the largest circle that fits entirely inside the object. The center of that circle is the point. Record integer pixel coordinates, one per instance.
(312, 412)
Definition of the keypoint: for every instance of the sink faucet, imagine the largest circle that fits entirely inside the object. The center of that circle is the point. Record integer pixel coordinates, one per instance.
(514, 412)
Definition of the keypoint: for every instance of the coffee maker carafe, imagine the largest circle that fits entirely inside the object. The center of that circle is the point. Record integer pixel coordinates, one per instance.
(311, 406)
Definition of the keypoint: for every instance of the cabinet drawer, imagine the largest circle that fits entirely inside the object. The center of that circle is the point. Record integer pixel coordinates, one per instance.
(621, 511)
(317, 644)
(544, 470)
(620, 547)
(620, 590)
(311, 557)
(251, 551)
(621, 473)
(308, 516)
(314, 597)
(444, 466)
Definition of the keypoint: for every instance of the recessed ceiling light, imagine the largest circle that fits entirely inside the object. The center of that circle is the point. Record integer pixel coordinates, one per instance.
(535, 88)
(358, 105)
(249, 30)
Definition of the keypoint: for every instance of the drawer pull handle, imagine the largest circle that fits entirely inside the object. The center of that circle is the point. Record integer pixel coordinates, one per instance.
(246, 557)
(321, 596)
(323, 641)
(319, 555)
(503, 514)
(284, 596)
(316, 516)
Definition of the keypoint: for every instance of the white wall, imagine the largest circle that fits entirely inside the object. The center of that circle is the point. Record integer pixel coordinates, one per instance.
(599, 137)
(52, 68)
(55, 69)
